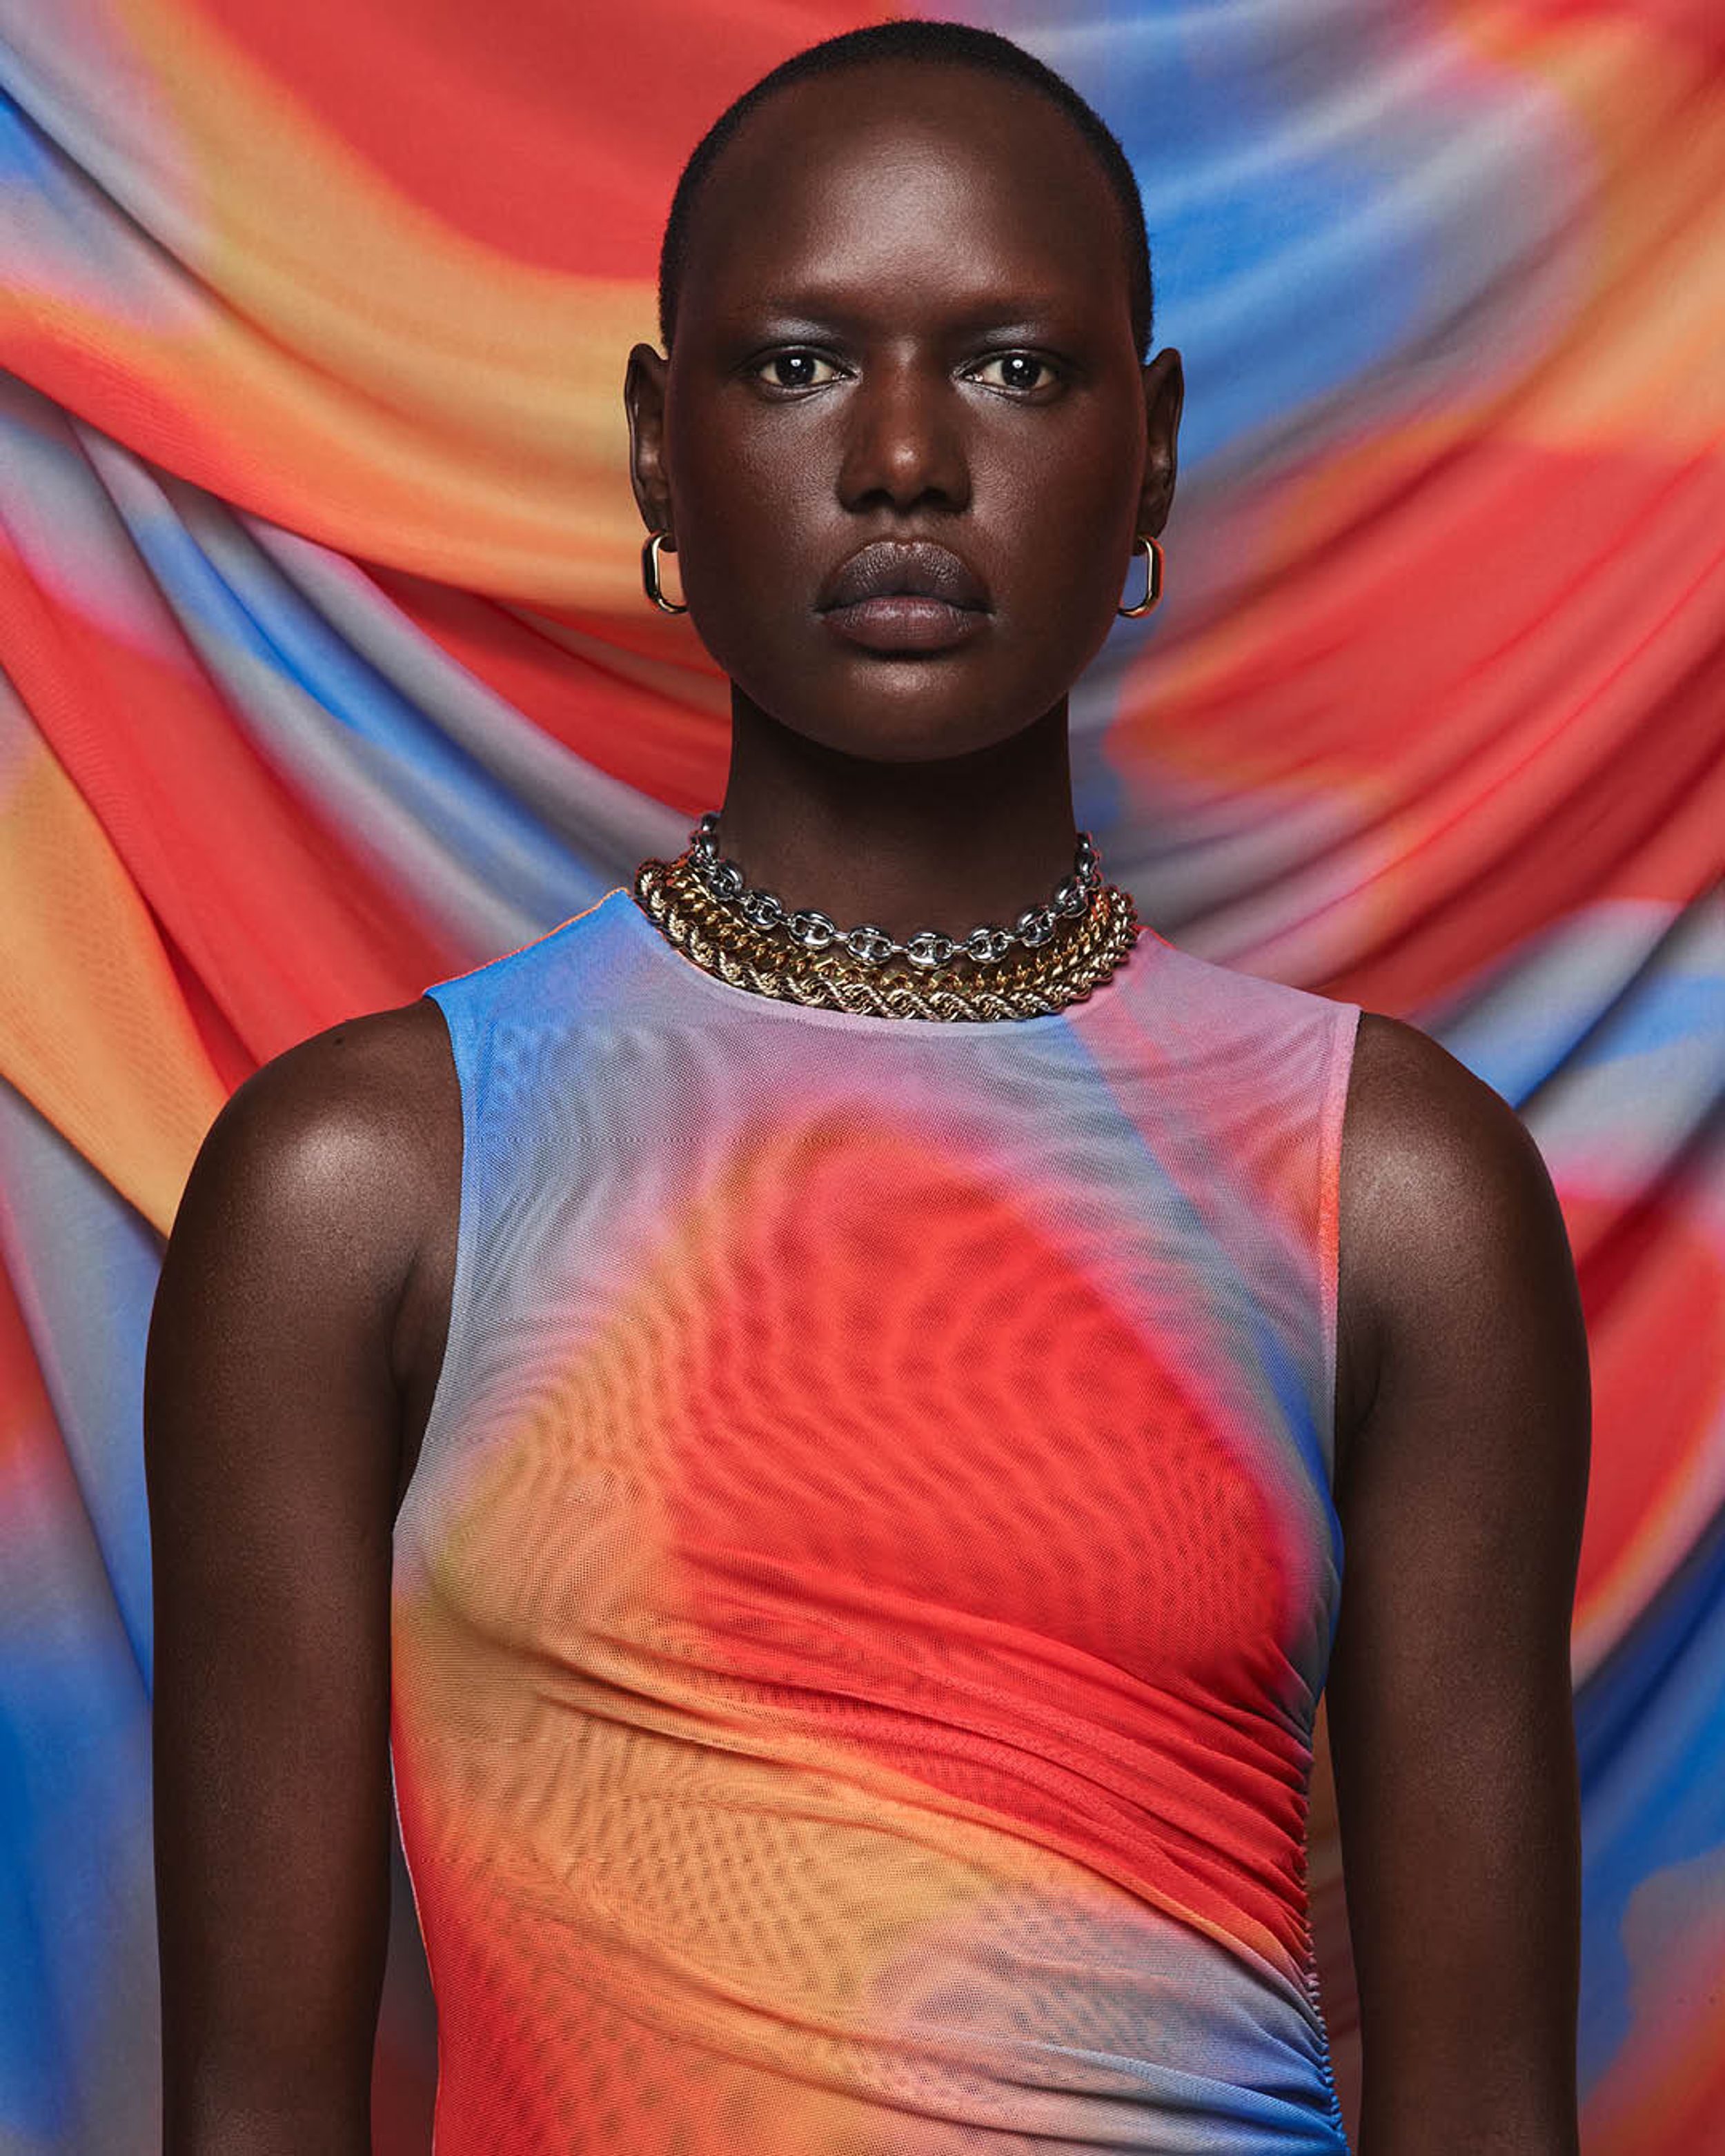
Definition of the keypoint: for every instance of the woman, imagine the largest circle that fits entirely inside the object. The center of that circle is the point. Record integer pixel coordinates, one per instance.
(866, 1389)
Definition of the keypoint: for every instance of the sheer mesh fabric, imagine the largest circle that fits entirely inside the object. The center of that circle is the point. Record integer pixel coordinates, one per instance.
(861, 1602)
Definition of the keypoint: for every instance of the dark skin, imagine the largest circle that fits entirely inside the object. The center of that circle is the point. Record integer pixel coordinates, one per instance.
(942, 226)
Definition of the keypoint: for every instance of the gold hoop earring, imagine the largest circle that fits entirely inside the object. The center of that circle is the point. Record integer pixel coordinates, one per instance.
(649, 573)
(1152, 577)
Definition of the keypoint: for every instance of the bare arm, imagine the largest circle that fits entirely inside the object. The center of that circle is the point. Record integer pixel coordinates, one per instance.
(1463, 1417)
(284, 1365)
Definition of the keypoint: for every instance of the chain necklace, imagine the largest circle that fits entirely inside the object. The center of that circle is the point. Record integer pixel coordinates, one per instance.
(873, 946)
(1054, 955)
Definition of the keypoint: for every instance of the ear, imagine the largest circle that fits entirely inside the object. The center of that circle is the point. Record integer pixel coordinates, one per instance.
(643, 400)
(1164, 393)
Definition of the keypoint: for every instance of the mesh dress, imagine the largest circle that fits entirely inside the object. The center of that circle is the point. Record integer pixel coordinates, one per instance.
(860, 1606)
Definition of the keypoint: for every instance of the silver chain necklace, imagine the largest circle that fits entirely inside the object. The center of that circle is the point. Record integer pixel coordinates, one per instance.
(928, 948)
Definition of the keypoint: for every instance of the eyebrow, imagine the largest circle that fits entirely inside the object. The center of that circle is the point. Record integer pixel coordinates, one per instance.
(808, 314)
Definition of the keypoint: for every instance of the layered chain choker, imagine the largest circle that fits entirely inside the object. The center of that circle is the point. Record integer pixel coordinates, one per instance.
(1053, 955)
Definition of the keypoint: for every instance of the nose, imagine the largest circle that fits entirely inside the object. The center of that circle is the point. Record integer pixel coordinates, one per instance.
(904, 443)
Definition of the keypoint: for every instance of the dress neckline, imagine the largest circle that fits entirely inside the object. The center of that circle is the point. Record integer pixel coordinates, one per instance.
(1147, 945)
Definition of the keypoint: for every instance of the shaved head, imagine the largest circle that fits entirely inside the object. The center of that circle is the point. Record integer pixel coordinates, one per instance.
(936, 44)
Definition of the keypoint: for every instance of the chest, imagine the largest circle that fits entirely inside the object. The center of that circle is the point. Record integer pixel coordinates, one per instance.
(833, 1382)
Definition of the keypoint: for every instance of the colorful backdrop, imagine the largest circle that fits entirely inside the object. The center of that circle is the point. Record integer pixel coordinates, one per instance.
(323, 672)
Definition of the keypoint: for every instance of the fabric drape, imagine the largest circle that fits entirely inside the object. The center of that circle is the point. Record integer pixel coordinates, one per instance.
(324, 672)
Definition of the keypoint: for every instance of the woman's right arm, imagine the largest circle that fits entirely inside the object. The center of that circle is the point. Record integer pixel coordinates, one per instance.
(277, 1373)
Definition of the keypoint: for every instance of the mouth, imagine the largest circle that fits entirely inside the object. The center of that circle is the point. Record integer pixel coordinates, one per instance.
(904, 595)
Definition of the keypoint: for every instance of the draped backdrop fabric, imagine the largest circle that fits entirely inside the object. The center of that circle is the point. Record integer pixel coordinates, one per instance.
(325, 673)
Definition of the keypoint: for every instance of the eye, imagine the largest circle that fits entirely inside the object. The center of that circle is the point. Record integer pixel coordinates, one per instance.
(1021, 372)
(796, 370)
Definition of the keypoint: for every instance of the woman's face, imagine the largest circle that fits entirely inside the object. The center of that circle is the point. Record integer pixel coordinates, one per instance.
(903, 440)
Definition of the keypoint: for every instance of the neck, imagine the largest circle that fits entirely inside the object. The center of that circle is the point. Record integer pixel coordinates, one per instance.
(944, 844)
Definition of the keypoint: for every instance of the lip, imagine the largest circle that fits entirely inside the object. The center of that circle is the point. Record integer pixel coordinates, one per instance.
(904, 595)
(905, 621)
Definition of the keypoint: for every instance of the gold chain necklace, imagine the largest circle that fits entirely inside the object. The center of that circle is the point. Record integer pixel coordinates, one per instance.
(1077, 958)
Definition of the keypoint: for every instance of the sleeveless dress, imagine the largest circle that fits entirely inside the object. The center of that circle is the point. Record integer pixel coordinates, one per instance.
(859, 1610)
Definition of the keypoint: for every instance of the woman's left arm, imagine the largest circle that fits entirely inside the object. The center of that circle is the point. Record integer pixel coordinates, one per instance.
(1463, 1440)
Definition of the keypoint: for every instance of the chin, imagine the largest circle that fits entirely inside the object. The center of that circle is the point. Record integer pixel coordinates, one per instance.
(907, 710)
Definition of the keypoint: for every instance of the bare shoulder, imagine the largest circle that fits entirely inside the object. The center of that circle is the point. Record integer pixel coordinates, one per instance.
(1419, 1121)
(320, 1216)
(1449, 1227)
(354, 1124)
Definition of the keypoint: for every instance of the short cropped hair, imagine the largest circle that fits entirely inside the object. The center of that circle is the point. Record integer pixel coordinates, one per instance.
(944, 44)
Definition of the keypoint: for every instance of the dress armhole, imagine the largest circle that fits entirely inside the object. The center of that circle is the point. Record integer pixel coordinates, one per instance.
(456, 1337)
(1344, 1034)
